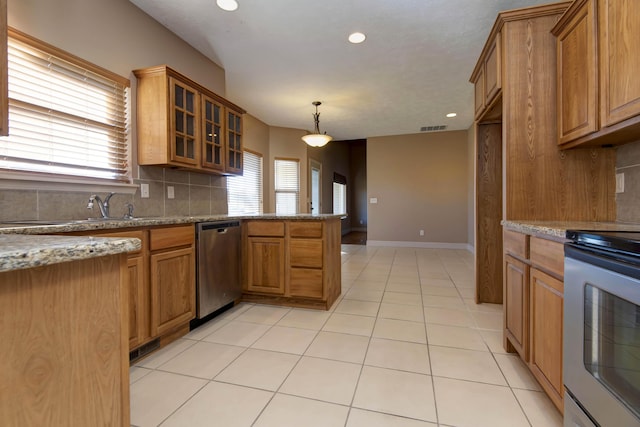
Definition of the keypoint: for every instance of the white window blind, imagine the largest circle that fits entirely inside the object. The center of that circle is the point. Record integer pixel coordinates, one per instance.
(339, 198)
(287, 186)
(66, 116)
(244, 193)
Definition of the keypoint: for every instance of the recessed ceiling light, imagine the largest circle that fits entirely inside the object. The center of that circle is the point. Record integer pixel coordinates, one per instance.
(228, 5)
(452, 115)
(356, 38)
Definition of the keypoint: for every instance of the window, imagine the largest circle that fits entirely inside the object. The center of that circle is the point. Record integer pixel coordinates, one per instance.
(66, 116)
(339, 194)
(244, 193)
(287, 186)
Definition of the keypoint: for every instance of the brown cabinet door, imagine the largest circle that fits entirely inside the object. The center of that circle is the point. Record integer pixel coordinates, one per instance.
(492, 71)
(546, 333)
(265, 265)
(305, 282)
(212, 134)
(305, 253)
(172, 289)
(185, 123)
(138, 302)
(234, 142)
(577, 76)
(516, 307)
(619, 29)
(478, 87)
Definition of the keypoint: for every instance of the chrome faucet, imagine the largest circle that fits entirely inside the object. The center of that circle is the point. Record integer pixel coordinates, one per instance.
(102, 205)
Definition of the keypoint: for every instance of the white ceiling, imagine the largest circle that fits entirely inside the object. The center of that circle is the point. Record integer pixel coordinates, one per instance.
(280, 55)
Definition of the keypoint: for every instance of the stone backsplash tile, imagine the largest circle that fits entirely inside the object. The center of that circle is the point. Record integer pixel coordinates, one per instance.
(151, 173)
(18, 205)
(152, 206)
(176, 176)
(199, 179)
(199, 200)
(219, 201)
(179, 205)
(628, 163)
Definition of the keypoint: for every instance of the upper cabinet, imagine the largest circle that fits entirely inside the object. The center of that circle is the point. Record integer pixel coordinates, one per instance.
(598, 91)
(183, 124)
(487, 77)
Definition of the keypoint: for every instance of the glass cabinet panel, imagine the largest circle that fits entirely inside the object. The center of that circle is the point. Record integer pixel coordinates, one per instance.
(212, 154)
(185, 119)
(234, 142)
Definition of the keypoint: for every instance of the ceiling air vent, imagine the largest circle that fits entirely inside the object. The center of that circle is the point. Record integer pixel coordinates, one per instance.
(433, 128)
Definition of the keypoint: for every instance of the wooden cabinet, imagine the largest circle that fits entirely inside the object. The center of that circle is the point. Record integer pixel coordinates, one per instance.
(160, 281)
(598, 92)
(521, 172)
(172, 277)
(64, 347)
(183, 124)
(533, 307)
(546, 333)
(487, 78)
(289, 262)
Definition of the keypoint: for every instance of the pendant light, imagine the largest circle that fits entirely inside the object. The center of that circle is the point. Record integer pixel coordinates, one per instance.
(317, 139)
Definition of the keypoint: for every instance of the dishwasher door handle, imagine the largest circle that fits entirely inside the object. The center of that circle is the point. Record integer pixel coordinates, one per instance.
(222, 230)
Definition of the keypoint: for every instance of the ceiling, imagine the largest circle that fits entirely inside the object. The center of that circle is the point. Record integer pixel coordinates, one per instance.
(281, 55)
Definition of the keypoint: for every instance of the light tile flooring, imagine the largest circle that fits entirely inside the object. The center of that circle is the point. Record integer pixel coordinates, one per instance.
(405, 346)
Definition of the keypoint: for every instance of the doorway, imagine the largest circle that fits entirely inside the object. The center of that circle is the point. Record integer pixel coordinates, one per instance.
(315, 180)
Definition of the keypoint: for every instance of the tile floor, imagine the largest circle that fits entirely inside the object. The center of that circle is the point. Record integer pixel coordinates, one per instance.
(405, 346)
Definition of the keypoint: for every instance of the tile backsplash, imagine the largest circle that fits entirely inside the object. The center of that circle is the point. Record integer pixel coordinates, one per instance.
(628, 163)
(194, 194)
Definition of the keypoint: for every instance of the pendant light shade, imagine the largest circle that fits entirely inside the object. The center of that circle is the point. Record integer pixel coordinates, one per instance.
(317, 139)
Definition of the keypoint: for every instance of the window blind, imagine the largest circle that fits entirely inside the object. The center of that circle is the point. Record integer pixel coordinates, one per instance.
(244, 193)
(339, 198)
(287, 186)
(65, 116)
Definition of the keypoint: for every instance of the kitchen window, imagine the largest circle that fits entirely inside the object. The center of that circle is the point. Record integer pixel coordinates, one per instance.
(68, 118)
(287, 186)
(244, 193)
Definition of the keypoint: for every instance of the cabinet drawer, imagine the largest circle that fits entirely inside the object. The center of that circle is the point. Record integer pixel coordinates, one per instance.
(162, 238)
(305, 253)
(547, 255)
(265, 228)
(305, 282)
(516, 244)
(305, 229)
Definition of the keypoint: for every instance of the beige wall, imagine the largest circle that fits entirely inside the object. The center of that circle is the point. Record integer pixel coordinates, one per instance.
(287, 143)
(256, 138)
(421, 182)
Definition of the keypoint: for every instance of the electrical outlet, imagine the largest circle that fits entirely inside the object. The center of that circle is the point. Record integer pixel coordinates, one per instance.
(620, 183)
(144, 191)
(422, 232)
(170, 192)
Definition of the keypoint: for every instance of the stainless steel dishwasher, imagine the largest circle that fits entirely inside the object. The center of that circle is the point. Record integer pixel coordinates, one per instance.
(218, 267)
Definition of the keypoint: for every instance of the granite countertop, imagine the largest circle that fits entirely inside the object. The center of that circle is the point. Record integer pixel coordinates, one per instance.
(68, 226)
(557, 229)
(19, 251)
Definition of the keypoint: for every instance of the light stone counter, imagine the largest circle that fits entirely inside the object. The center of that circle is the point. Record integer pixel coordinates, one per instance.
(556, 230)
(63, 226)
(20, 252)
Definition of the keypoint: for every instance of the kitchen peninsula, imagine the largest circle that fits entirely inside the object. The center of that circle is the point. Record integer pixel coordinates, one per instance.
(63, 327)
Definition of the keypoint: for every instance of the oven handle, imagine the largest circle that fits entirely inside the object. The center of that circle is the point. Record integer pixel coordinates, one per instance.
(626, 265)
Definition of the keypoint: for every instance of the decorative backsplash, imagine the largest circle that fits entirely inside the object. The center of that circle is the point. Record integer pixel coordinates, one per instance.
(628, 163)
(194, 194)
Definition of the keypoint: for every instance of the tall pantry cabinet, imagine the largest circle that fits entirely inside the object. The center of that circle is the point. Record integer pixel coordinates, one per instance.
(521, 174)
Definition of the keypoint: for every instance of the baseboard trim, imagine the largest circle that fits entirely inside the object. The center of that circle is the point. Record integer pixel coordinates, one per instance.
(426, 245)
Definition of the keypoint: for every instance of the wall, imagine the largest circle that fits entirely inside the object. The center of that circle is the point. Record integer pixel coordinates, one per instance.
(120, 37)
(420, 182)
(628, 163)
(287, 143)
(256, 139)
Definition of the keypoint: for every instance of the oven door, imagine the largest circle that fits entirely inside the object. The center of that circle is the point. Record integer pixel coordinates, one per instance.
(602, 338)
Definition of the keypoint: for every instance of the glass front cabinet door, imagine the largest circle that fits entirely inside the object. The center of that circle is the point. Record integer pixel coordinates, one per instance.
(184, 101)
(234, 137)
